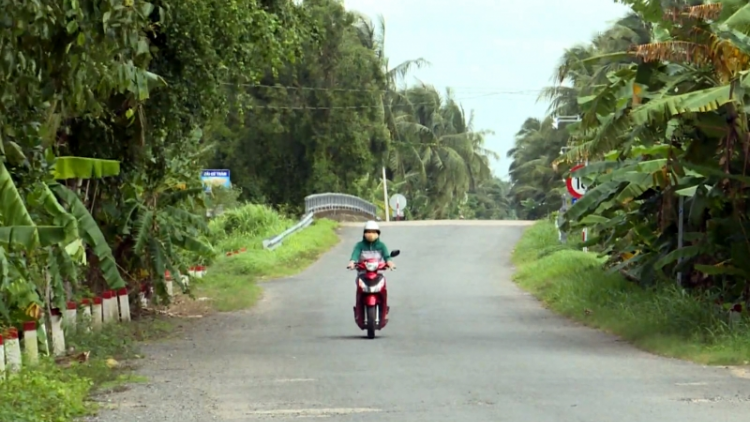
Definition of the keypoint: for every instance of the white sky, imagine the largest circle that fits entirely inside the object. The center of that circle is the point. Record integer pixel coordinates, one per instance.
(488, 49)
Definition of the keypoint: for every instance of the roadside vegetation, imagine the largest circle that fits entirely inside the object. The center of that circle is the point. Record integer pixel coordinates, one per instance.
(662, 98)
(231, 284)
(662, 319)
(69, 387)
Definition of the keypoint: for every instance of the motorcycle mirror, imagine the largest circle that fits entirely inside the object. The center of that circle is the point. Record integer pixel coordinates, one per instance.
(395, 253)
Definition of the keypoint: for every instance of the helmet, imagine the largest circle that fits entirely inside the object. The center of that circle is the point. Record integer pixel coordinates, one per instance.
(372, 225)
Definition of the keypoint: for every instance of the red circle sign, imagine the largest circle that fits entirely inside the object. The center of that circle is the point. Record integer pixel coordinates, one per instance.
(575, 187)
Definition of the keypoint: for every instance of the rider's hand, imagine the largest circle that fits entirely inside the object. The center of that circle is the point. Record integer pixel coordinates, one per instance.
(350, 265)
(391, 265)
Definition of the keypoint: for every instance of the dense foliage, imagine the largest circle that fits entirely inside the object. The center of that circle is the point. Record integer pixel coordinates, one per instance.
(662, 97)
(110, 109)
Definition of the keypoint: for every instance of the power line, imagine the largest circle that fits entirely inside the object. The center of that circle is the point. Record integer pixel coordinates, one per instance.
(488, 90)
(362, 107)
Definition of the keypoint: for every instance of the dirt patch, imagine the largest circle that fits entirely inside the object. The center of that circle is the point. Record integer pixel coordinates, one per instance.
(740, 371)
(183, 306)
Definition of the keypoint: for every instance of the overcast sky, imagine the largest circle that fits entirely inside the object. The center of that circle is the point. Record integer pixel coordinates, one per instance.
(489, 50)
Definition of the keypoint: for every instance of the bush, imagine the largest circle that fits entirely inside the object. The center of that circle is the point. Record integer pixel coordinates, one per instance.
(246, 227)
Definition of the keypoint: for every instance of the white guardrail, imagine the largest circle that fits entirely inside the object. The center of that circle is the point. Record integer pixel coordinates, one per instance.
(338, 202)
(276, 241)
(319, 203)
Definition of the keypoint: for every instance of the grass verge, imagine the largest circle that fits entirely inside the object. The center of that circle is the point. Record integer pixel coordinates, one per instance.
(231, 282)
(665, 320)
(62, 391)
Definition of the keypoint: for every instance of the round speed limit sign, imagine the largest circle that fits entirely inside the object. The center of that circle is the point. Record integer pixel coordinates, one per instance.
(575, 186)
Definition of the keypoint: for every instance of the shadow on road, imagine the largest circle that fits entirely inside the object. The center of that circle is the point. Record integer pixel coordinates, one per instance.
(349, 337)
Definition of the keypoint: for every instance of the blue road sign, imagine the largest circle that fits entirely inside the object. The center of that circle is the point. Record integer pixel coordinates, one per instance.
(212, 177)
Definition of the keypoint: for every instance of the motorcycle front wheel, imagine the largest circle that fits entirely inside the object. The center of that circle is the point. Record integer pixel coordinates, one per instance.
(371, 317)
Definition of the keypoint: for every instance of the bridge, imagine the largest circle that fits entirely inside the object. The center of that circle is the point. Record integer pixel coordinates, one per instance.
(340, 207)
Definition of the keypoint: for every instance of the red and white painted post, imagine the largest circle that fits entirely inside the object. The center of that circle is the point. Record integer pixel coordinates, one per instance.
(169, 284)
(45, 342)
(30, 342)
(107, 313)
(197, 271)
(122, 299)
(13, 351)
(96, 314)
(142, 297)
(58, 335)
(86, 313)
(71, 315)
(114, 308)
(2, 358)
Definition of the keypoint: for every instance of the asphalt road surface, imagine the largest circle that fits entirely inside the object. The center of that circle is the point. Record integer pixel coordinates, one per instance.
(463, 344)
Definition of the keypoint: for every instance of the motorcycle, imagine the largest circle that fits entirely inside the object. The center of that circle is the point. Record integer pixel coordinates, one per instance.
(371, 309)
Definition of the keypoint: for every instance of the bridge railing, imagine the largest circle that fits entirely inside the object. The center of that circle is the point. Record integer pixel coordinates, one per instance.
(322, 202)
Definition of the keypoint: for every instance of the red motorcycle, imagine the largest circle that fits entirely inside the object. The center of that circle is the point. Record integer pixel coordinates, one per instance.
(371, 310)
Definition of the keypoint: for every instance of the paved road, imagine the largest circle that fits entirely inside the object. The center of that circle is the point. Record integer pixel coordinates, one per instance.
(463, 344)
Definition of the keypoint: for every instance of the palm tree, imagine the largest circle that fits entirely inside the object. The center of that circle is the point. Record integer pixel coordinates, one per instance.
(435, 156)
(441, 154)
(582, 73)
(536, 182)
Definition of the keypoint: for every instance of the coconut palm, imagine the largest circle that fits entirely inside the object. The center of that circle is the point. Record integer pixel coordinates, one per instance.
(435, 156)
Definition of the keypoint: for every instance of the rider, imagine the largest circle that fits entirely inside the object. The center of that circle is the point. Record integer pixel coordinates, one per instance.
(371, 242)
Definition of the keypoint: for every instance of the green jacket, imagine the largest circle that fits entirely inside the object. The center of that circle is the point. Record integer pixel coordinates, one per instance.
(364, 245)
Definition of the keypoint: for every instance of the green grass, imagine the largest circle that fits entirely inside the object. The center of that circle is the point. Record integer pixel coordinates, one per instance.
(664, 321)
(231, 282)
(51, 392)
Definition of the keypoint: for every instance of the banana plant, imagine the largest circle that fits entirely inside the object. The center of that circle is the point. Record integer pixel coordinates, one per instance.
(38, 256)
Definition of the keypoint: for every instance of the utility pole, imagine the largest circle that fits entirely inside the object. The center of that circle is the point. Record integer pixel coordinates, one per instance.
(385, 197)
(563, 236)
(586, 229)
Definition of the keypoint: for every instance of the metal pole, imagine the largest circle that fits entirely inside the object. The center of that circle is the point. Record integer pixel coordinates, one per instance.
(385, 197)
(563, 235)
(586, 229)
(680, 232)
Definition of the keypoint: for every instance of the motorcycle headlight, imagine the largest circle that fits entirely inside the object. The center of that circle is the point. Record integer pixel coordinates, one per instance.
(371, 266)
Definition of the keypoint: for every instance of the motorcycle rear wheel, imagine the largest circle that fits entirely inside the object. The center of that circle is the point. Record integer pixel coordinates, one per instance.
(372, 312)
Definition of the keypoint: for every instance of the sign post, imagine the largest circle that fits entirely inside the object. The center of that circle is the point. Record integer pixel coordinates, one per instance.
(577, 189)
(398, 205)
(213, 178)
(556, 121)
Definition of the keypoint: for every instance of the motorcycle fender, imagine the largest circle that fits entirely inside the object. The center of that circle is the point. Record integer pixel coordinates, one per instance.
(371, 300)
